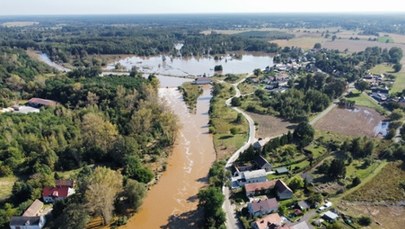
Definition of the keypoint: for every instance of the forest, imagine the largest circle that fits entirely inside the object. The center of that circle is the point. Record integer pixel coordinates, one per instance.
(106, 128)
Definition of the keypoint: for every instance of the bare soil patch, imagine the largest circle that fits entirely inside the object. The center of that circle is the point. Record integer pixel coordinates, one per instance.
(270, 126)
(360, 121)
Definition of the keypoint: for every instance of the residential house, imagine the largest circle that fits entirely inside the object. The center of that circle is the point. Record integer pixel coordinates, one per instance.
(239, 169)
(262, 163)
(260, 144)
(330, 216)
(283, 191)
(34, 209)
(38, 103)
(27, 222)
(254, 176)
(52, 194)
(260, 188)
(202, 81)
(271, 221)
(263, 207)
(301, 225)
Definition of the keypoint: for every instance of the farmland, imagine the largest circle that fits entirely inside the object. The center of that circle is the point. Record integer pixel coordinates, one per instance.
(347, 122)
(270, 126)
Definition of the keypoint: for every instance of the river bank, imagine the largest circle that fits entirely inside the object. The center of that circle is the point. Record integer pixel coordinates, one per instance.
(172, 202)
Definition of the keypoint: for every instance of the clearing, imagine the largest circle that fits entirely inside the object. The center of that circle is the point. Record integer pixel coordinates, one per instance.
(347, 122)
(270, 126)
(364, 100)
(380, 188)
(6, 186)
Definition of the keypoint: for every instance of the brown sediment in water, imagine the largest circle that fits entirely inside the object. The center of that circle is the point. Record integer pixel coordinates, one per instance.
(172, 202)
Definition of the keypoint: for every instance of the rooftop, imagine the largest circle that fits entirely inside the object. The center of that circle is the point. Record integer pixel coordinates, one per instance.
(25, 220)
(265, 205)
(302, 225)
(254, 174)
(43, 102)
(34, 209)
(61, 191)
(272, 219)
(260, 186)
(281, 186)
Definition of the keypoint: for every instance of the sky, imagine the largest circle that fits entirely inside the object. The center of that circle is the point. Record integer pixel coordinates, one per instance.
(59, 7)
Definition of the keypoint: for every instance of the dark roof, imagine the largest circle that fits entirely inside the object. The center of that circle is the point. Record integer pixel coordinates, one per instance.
(68, 183)
(61, 191)
(24, 220)
(34, 209)
(43, 102)
(260, 161)
(264, 205)
(282, 187)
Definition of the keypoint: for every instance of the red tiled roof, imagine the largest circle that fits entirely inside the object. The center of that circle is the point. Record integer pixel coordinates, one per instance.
(272, 219)
(61, 191)
(260, 186)
(44, 102)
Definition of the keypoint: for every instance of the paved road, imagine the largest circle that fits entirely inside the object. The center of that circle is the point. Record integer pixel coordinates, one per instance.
(232, 221)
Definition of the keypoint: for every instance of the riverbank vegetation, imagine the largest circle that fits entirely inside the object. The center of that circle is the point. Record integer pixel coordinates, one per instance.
(191, 92)
(116, 124)
(229, 128)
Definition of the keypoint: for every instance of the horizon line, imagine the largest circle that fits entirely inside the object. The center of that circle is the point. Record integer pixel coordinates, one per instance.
(212, 13)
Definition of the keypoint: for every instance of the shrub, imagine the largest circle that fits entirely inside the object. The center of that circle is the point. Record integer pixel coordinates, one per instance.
(364, 221)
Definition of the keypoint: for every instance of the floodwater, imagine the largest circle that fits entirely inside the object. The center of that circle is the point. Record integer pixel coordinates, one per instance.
(172, 202)
(193, 66)
(44, 58)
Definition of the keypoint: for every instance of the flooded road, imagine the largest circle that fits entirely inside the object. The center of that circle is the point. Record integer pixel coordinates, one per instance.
(172, 202)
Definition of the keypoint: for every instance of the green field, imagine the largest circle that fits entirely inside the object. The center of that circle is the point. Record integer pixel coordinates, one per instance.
(385, 39)
(362, 99)
(399, 84)
(6, 186)
(381, 69)
(223, 120)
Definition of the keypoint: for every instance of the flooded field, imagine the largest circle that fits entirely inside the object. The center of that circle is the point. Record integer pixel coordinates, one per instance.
(193, 66)
(347, 121)
(172, 202)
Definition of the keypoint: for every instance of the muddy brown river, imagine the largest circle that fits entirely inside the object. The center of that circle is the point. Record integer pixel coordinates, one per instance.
(172, 202)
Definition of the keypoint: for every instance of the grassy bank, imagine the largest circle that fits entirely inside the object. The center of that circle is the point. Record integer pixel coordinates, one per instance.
(190, 92)
(229, 129)
(364, 100)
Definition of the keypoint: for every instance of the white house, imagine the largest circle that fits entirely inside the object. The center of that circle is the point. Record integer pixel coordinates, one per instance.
(254, 176)
(27, 222)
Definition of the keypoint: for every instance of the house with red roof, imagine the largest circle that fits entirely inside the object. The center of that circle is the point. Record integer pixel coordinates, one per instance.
(261, 188)
(38, 103)
(60, 192)
(272, 221)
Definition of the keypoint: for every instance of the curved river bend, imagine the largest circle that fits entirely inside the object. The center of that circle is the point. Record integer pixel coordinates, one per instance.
(172, 202)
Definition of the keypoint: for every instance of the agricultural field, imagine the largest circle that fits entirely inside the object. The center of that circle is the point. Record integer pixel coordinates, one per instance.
(302, 42)
(381, 69)
(399, 84)
(386, 186)
(347, 122)
(385, 39)
(270, 126)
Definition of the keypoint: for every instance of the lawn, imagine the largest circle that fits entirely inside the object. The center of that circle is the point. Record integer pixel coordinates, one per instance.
(381, 69)
(357, 169)
(317, 150)
(385, 39)
(399, 84)
(385, 186)
(6, 186)
(223, 122)
(364, 100)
